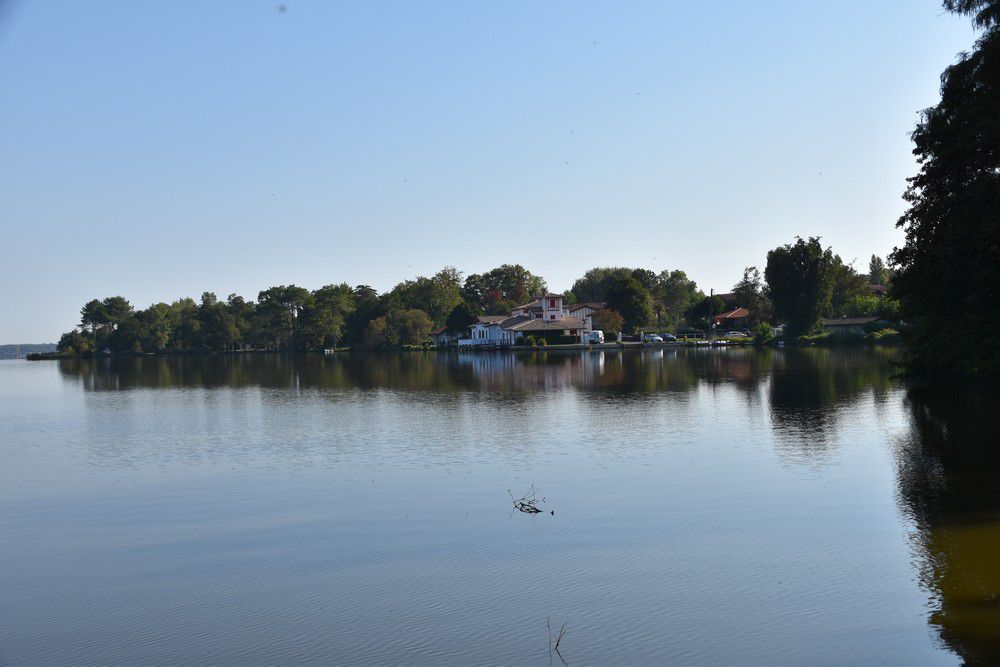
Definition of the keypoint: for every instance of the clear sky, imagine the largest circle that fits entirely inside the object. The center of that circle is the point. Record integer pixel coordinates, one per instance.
(159, 150)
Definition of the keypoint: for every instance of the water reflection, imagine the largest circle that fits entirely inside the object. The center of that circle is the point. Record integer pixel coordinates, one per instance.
(800, 396)
(843, 373)
(424, 409)
(949, 485)
(810, 390)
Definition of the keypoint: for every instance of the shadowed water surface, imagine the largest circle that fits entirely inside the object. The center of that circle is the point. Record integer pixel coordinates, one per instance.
(711, 507)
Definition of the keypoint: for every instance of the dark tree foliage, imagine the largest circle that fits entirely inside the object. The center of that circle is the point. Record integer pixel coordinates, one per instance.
(848, 286)
(436, 295)
(279, 310)
(409, 327)
(700, 314)
(800, 282)
(501, 289)
(948, 271)
(878, 274)
(627, 296)
(461, 318)
(75, 342)
(596, 282)
(367, 307)
(219, 327)
(677, 293)
(749, 293)
(377, 334)
(287, 318)
(102, 318)
(323, 320)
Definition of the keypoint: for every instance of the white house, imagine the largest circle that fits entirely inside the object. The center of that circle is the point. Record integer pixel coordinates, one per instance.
(489, 330)
(544, 316)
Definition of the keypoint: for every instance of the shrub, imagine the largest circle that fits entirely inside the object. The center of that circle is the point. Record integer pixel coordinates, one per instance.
(762, 333)
(815, 338)
(561, 340)
(886, 336)
(877, 325)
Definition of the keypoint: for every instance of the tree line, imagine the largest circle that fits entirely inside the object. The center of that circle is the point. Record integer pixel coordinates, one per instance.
(293, 318)
(801, 283)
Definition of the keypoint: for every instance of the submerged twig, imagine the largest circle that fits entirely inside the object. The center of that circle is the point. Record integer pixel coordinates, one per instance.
(529, 502)
(558, 638)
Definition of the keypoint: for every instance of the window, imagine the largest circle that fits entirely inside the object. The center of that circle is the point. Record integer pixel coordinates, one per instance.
(552, 317)
(552, 303)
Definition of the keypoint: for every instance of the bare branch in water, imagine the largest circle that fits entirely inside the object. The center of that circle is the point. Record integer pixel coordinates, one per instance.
(529, 503)
(558, 639)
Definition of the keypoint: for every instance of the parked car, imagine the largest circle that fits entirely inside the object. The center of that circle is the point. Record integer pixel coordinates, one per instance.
(668, 338)
(596, 336)
(652, 338)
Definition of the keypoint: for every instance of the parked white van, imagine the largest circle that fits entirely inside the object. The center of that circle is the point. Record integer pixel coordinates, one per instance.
(596, 336)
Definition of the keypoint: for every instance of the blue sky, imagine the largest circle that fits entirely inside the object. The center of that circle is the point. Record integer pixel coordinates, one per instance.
(158, 150)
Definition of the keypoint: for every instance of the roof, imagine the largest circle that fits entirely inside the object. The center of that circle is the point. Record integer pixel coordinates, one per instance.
(514, 320)
(502, 321)
(547, 325)
(586, 304)
(439, 331)
(736, 314)
(847, 321)
(553, 296)
(878, 289)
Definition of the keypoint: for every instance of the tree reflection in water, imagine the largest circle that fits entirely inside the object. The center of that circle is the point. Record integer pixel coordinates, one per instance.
(948, 464)
(613, 372)
(949, 485)
(811, 389)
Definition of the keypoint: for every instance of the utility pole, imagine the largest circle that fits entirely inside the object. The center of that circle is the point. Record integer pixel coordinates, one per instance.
(711, 315)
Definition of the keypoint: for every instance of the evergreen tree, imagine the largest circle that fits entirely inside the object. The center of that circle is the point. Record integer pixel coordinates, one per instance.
(878, 274)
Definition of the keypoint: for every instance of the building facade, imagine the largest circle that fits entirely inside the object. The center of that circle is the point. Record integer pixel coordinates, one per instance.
(544, 317)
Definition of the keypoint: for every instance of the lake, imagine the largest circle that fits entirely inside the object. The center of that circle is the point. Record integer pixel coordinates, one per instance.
(728, 506)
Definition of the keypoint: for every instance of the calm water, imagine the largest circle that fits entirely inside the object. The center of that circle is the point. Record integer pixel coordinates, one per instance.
(711, 507)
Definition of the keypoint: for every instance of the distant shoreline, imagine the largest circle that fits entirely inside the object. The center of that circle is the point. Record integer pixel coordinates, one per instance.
(23, 350)
(828, 342)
